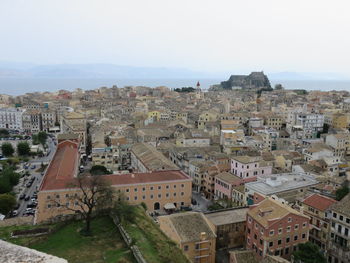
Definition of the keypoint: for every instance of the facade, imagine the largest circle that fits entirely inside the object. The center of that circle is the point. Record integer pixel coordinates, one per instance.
(11, 118)
(276, 229)
(247, 166)
(73, 122)
(49, 119)
(339, 242)
(193, 233)
(229, 226)
(31, 120)
(106, 156)
(317, 208)
(155, 189)
(340, 143)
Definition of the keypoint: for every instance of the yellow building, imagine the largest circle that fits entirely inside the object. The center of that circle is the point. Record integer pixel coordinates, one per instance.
(154, 114)
(193, 233)
(316, 207)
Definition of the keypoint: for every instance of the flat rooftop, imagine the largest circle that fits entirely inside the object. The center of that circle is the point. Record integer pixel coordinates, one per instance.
(277, 183)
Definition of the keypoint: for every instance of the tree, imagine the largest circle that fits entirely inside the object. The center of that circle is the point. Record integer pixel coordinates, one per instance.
(108, 141)
(42, 137)
(23, 149)
(341, 192)
(7, 203)
(279, 87)
(8, 178)
(123, 209)
(308, 253)
(99, 170)
(94, 193)
(7, 149)
(4, 132)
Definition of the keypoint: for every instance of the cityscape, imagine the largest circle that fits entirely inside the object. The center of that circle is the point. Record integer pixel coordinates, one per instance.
(236, 166)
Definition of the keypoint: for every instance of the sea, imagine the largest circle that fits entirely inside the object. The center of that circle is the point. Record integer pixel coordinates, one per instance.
(19, 86)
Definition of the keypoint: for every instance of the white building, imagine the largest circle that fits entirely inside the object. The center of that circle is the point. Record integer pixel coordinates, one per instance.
(11, 118)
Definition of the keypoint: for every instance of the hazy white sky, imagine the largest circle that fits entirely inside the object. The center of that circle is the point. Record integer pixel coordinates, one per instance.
(270, 35)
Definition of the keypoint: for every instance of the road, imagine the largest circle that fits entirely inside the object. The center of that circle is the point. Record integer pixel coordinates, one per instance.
(202, 203)
(38, 177)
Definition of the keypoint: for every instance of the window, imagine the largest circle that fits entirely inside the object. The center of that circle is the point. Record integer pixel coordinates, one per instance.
(287, 239)
(174, 194)
(261, 242)
(135, 189)
(346, 231)
(255, 236)
(197, 246)
(167, 194)
(49, 206)
(279, 230)
(288, 228)
(182, 193)
(48, 197)
(286, 251)
(185, 248)
(143, 189)
(348, 220)
(57, 196)
(143, 197)
(174, 185)
(341, 218)
(127, 190)
(296, 226)
(289, 219)
(182, 185)
(272, 232)
(335, 215)
(303, 236)
(271, 244)
(67, 195)
(151, 196)
(159, 196)
(167, 187)
(304, 224)
(151, 188)
(295, 237)
(127, 198)
(279, 242)
(248, 229)
(159, 187)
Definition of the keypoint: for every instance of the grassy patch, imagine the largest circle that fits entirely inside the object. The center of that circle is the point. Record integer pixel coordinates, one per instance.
(153, 244)
(105, 245)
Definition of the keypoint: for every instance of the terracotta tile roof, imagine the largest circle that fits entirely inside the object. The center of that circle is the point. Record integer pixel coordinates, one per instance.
(319, 202)
(63, 166)
(273, 210)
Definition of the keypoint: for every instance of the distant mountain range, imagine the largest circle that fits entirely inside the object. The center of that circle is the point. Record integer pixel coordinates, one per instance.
(30, 70)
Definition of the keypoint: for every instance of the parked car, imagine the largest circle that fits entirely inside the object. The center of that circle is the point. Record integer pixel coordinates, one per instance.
(29, 185)
(33, 166)
(14, 212)
(27, 198)
(22, 196)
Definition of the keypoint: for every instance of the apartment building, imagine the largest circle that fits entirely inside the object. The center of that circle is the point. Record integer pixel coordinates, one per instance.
(74, 122)
(276, 229)
(155, 189)
(316, 207)
(225, 183)
(49, 119)
(249, 166)
(340, 143)
(11, 118)
(32, 122)
(339, 243)
(193, 233)
(275, 122)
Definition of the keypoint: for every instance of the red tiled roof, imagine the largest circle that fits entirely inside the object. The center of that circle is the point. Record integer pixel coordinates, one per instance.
(319, 202)
(63, 166)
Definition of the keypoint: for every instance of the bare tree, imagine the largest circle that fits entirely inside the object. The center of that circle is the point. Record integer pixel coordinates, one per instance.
(93, 193)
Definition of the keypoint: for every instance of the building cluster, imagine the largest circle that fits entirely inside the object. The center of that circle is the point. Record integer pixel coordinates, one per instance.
(272, 161)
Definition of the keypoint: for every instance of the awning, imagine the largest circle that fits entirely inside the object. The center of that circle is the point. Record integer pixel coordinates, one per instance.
(169, 206)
